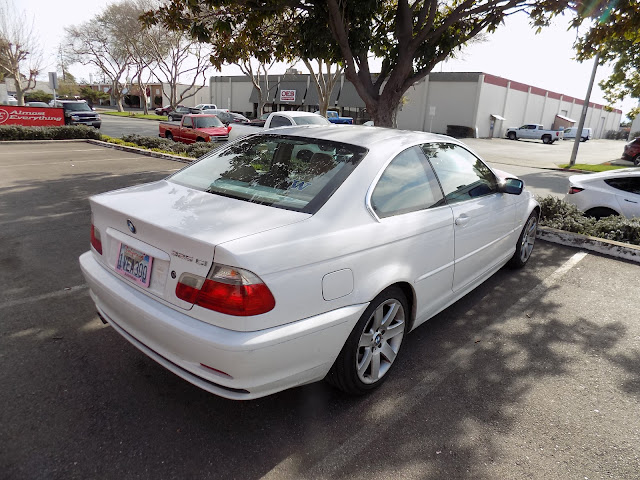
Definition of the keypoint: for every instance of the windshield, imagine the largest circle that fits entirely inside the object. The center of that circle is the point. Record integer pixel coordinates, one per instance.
(207, 122)
(287, 172)
(311, 120)
(77, 107)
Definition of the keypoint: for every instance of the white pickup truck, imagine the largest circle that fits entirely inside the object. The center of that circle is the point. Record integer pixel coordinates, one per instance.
(277, 119)
(534, 131)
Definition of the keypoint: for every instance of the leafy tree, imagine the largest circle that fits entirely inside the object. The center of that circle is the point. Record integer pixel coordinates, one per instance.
(94, 96)
(38, 96)
(20, 56)
(409, 37)
(612, 30)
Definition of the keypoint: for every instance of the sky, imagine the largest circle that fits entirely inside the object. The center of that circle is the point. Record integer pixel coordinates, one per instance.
(514, 51)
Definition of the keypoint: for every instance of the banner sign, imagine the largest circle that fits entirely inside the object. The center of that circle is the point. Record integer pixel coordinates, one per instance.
(31, 116)
(287, 95)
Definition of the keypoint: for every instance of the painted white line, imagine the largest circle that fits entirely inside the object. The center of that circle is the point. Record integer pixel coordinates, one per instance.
(44, 296)
(45, 151)
(402, 405)
(68, 162)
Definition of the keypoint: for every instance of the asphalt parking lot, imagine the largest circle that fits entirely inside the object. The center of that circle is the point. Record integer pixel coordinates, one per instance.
(535, 374)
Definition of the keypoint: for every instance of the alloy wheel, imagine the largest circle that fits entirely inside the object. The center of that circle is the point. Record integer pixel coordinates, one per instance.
(380, 341)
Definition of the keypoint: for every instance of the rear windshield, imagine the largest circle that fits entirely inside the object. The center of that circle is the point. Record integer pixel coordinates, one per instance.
(282, 171)
(77, 107)
(207, 122)
(310, 120)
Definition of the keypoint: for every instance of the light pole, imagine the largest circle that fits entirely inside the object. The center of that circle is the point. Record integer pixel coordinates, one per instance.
(583, 115)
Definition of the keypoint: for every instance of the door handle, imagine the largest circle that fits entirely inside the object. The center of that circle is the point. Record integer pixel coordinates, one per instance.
(462, 220)
(630, 201)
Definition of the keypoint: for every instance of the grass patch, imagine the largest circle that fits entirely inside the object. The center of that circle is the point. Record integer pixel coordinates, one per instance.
(151, 116)
(591, 168)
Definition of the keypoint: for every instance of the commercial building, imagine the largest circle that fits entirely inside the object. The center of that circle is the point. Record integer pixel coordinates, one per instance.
(486, 103)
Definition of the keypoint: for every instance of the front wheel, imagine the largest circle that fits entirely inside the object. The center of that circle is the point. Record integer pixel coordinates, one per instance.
(636, 160)
(526, 242)
(512, 135)
(373, 345)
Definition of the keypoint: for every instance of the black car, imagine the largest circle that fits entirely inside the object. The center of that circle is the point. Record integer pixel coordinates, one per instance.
(178, 113)
(78, 112)
(230, 117)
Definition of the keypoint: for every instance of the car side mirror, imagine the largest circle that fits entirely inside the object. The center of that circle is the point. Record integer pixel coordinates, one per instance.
(512, 186)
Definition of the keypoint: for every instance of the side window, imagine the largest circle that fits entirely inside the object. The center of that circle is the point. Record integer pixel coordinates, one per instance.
(279, 121)
(462, 175)
(629, 184)
(187, 122)
(408, 184)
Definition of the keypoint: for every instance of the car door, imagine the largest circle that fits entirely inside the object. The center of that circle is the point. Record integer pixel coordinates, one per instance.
(484, 218)
(627, 193)
(186, 132)
(416, 223)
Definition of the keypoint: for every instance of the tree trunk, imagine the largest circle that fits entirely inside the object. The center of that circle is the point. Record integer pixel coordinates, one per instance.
(323, 105)
(19, 93)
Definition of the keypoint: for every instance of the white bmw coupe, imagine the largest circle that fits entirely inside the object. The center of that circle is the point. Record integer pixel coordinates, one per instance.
(301, 253)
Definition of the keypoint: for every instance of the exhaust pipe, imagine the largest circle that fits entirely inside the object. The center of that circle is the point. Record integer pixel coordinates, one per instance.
(102, 318)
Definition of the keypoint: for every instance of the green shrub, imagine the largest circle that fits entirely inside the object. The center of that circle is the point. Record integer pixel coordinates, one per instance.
(158, 144)
(557, 213)
(67, 132)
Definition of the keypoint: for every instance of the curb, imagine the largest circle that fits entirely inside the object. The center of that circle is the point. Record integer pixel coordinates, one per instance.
(141, 151)
(603, 246)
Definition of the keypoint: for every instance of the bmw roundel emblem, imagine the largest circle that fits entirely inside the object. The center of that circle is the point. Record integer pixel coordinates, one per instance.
(132, 227)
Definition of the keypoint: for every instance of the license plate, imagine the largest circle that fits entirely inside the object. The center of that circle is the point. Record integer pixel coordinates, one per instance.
(134, 265)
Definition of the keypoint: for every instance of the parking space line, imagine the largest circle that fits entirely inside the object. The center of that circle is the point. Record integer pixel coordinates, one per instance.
(111, 159)
(402, 405)
(44, 296)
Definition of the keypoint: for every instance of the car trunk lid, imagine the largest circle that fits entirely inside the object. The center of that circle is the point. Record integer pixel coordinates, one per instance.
(153, 233)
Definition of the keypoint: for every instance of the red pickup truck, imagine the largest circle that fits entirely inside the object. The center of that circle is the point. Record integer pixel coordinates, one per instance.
(195, 128)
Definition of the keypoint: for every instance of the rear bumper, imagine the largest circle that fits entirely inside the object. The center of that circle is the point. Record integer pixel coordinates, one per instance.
(256, 363)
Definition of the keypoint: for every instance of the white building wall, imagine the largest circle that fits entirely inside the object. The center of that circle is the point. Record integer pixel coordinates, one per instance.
(233, 93)
(491, 102)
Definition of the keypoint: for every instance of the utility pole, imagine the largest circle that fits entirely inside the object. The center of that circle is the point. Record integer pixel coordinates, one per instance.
(583, 115)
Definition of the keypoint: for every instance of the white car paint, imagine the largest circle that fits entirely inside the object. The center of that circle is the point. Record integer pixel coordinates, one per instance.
(599, 192)
(278, 120)
(323, 268)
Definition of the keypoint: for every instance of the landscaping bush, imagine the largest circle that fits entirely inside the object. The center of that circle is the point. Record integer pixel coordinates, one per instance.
(158, 144)
(557, 213)
(460, 131)
(18, 132)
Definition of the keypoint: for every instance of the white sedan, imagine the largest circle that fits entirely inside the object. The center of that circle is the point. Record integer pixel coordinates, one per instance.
(288, 257)
(615, 192)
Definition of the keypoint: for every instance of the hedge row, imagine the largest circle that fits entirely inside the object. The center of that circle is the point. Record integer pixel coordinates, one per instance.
(18, 132)
(557, 213)
(194, 150)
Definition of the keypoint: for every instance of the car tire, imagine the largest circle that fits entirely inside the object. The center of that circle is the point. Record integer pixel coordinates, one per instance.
(546, 139)
(526, 241)
(168, 136)
(636, 160)
(600, 212)
(373, 345)
(512, 136)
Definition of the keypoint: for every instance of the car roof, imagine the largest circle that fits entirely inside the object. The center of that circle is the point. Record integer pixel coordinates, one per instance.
(592, 177)
(361, 135)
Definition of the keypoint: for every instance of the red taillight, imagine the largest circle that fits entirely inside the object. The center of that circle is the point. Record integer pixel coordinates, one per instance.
(575, 190)
(228, 290)
(228, 128)
(96, 243)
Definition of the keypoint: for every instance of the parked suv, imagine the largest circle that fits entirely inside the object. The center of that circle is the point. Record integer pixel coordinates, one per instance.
(632, 151)
(78, 112)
